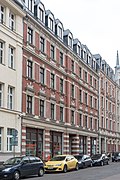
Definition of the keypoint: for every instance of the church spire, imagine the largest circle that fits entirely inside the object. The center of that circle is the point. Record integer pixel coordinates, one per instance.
(117, 60)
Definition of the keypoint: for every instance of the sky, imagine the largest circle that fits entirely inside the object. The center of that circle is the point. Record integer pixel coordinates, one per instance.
(96, 23)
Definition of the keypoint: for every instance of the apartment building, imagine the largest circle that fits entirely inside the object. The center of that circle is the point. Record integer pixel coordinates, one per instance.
(109, 130)
(11, 39)
(60, 88)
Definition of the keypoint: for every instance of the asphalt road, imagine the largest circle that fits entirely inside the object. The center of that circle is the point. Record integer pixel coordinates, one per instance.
(107, 172)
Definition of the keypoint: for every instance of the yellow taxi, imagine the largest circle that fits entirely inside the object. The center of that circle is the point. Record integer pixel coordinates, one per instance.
(61, 163)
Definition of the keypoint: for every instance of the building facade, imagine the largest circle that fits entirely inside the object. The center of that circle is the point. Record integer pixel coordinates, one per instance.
(60, 88)
(11, 38)
(55, 96)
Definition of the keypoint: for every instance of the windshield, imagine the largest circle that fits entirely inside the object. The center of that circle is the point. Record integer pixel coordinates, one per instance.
(12, 161)
(58, 158)
(78, 157)
(96, 156)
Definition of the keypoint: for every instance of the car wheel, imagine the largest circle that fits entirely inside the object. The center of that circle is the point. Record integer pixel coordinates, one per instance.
(41, 172)
(65, 168)
(16, 175)
(101, 163)
(77, 167)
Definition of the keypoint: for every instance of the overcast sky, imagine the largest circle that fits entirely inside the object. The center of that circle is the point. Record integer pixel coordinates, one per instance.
(95, 23)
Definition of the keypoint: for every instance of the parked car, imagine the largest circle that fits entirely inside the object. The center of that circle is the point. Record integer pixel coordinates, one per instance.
(115, 156)
(16, 167)
(84, 161)
(61, 163)
(100, 159)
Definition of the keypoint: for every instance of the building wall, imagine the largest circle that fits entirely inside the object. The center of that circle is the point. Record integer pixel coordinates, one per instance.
(11, 76)
(37, 90)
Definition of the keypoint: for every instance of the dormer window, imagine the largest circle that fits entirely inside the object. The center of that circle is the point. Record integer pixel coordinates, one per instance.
(60, 32)
(70, 41)
(41, 14)
(78, 50)
(51, 24)
(30, 5)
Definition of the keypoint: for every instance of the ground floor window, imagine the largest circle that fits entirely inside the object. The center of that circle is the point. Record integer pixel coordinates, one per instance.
(34, 142)
(93, 145)
(55, 143)
(9, 139)
(83, 144)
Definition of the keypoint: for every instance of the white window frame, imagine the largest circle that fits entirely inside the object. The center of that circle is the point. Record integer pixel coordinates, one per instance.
(1, 94)
(9, 138)
(1, 52)
(2, 14)
(10, 97)
(60, 32)
(11, 62)
(12, 21)
(0, 139)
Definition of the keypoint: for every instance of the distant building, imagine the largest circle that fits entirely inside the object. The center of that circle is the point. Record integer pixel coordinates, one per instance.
(11, 41)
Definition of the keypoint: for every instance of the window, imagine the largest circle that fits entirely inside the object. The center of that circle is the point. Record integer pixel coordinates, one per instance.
(80, 120)
(95, 84)
(61, 85)
(42, 108)
(30, 5)
(9, 139)
(60, 32)
(61, 58)
(91, 100)
(1, 14)
(96, 124)
(106, 123)
(79, 50)
(86, 121)
(52, 111)
(29, 69)
(85, 76)
(102, 122)
(91, 122)
(51, 24)
(30, 35)
(72, 66)
(1, 52)
(29, 104)
(52, 81)
(10, 97)
(1, 95)
(11, 21)
(91, 80)
(11, 57)
(95, 103)
(72, 91)
(42, 75)
(80, 95)
(72, 117)
(0, 139)
(106, 105)
(52, 52)
(42, 44)
(61, 114)
(41, 13)
(70, 41)
(80, 72)
(110, 125)
(86, 98)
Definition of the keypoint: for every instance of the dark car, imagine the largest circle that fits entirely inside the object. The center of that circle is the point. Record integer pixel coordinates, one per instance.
(100, 159)
(115, 156)
(84, 161)
(16, 167)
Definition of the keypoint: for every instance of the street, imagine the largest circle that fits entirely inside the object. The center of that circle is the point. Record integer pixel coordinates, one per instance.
(107, 172)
